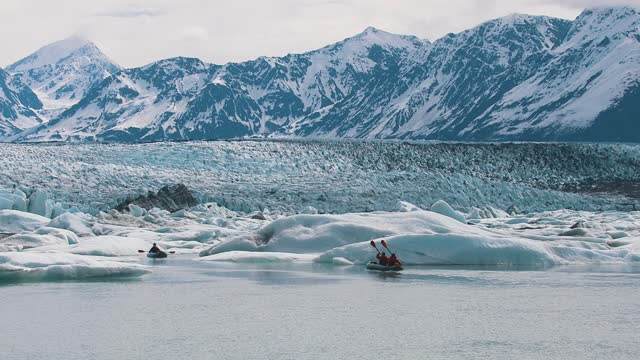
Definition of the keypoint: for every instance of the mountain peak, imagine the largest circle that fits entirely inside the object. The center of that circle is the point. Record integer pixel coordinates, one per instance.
(519, 19)
(609, 10)
(607, 15)
(599, 23)
(515, 18)
(53, 53)
(372, 30)
(61, 73)
(372, 35)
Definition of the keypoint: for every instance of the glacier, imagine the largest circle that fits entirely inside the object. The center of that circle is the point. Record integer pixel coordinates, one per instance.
(327, 177)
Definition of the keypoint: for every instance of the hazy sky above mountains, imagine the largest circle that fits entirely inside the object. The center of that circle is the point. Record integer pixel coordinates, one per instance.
(136, 32)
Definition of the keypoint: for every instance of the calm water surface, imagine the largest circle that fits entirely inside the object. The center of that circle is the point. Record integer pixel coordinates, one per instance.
(193, 310)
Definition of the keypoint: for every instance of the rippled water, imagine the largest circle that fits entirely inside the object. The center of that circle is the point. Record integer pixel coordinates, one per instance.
(193, 310)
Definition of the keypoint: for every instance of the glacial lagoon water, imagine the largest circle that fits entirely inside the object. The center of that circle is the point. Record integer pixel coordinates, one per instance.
(197, 310)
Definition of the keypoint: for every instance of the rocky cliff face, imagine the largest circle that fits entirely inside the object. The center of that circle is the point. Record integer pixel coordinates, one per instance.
(170, 198)
(18, 106)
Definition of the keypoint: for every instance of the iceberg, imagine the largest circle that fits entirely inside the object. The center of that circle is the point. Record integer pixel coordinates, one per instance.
(259, 257)
(319, 233)
(441, 207)
(452, 249)
(31, 266)
(13, 221)
(106, 246)
(421, 237)
(78, 223)
(44, 236)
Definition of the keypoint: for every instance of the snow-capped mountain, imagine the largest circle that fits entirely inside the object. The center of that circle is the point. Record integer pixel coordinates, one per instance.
(17, 105)
(588, 90)
(61, 73)
(518, 77)
(184, 98)
(455, 80)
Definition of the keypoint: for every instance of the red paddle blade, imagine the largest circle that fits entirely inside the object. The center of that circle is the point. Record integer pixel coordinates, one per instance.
(372, 243)
(384, 244)
(141, 251)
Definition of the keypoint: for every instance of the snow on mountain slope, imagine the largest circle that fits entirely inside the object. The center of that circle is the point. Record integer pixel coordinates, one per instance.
(148, 97)
(61, 73)
(593, 68)
(456, 79)
(519, 77)
(187, 99)
(17, 104)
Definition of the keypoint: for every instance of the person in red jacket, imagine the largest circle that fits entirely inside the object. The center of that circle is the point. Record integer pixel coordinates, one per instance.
(382, 259)
(393, 260)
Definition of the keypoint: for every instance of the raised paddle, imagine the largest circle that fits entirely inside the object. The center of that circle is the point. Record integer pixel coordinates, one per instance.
(373, 243)
(384, 244)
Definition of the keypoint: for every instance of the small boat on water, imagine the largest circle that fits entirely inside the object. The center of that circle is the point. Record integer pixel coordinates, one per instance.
(372, 265)
(157, 255)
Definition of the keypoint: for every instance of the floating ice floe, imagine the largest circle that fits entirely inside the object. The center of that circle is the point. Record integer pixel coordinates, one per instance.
(259, 257)
(31, 266)
(441, 207)
(14, 221)
(428, 238)
(78, 223)
(320, 233)
(106, 246)
(44, 236)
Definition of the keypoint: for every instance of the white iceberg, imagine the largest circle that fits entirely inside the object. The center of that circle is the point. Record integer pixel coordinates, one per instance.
(31, 266)
(259, 257)
(320, 233)
(13, 221)
(441, 207)
(79, 223)
(426, 238)
(452, 249)
(44, 236)
(106, 246)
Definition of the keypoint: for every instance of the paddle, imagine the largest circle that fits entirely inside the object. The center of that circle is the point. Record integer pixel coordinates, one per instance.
(385, 246)
(373, 243)
(144, 251)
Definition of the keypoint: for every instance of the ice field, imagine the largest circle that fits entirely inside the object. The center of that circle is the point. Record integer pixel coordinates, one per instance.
(313, 202)
(339, 177)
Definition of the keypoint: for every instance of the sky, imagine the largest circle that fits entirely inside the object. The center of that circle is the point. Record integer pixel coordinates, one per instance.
(135, 32)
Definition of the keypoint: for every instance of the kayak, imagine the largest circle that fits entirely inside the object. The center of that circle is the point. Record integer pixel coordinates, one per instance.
(372, 265)
(157, 255)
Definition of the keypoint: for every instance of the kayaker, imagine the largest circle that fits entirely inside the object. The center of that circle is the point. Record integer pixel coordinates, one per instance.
(382, 259)
(393, 260)
(154, 249)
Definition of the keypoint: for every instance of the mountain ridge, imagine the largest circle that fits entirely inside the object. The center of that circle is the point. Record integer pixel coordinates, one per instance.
(518, 77)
